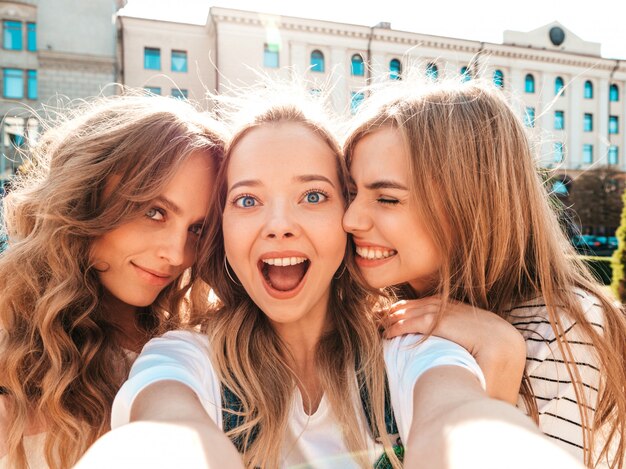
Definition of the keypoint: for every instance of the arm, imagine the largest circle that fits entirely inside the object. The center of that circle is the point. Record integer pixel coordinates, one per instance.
(169, 428)
(455, 425)
(496, 345)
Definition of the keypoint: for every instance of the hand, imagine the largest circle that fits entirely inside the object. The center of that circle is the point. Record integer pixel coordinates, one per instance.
(497, 346)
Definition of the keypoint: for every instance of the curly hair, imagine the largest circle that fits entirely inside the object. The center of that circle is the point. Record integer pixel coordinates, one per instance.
(60, 362)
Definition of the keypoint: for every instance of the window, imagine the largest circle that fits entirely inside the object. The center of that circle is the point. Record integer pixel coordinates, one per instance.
(465, 74)
(559, 120)
(560, 188)
(357, 67)
(270, 56)
(498, 78)
(12, 35)
(432, 71)
(529, 83)
(179, 93)
(558, 86)
(13, 83)
(31, 37)
(31, 88)
(395, 69)
(587, 153)
(356, 99)
(613, 124)
(317, 61)
(153, 89)
(179, 61)
(151, 58)
(613, 154)
(614, 93)
(559, 151)
(588, 122)
(588, 92)
(529, 117)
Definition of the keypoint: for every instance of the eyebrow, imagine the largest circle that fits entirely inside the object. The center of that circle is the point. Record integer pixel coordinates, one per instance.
(171, 206)
(303, 178)
(385, 184)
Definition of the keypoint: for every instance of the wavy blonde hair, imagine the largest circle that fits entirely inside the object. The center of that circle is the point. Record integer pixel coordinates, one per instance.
(249, 356)
(501, 243)
(59, 360)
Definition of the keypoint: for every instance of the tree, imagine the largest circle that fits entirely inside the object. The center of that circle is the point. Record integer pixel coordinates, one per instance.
(618, 261)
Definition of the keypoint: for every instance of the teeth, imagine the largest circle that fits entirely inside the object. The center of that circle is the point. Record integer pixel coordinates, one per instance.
(285, 261)
(374, 253)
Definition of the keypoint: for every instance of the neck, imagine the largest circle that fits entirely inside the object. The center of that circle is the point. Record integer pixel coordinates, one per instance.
(123, 317)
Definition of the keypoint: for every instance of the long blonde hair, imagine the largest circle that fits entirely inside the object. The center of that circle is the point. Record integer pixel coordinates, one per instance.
(249, 356)
(501, 243)
(59, 360)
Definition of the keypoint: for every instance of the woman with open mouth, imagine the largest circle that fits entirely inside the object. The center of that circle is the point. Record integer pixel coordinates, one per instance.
(291, 365)
(449, 209)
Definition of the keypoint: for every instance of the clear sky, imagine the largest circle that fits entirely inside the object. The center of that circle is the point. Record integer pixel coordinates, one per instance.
(602, 21)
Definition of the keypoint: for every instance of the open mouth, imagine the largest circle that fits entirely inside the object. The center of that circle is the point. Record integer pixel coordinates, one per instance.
(372, 253)
(284, 274)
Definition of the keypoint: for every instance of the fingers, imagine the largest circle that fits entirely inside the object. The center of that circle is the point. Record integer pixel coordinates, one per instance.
(420, 302)
(410, 324)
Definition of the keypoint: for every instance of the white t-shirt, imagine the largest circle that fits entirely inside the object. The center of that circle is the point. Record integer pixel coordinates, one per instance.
(312, 439)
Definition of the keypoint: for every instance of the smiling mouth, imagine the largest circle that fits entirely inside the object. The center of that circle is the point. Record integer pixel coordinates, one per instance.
(371, 253)
(284, 274)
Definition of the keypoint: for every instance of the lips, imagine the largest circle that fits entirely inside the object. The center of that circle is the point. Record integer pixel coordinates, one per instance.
(152, 277)
(373, 256)
(283, 274)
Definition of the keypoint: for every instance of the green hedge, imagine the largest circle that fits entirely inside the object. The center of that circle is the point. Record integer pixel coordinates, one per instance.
(601, 267)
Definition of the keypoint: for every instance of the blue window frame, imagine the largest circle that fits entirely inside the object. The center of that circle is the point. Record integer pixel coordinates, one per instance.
(357, 67)
(180, 93)
(152, 58)
(13, 83)
(529, 117)
(560, 188)
(465, 74)
(179, 61)
(31, 37)
(613, 124)
(270, 56)
(613, 155)
(587, 153)
(153, 89)
(614, 93)
(559, 152)
(317, 61)
(529, 83)
(588, 90)
(31, 87)
(12, 35)
(498, 78)
(395, 69)
(559, 120)
(559, 84)
(432, 71)
(356, 98)
(588, 122)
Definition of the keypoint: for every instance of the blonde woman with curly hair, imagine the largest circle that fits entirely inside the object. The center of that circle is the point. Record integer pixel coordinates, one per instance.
(103, 232)
(449, 208)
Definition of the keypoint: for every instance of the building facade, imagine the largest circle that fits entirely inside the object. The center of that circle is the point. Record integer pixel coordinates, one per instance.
(53, 51)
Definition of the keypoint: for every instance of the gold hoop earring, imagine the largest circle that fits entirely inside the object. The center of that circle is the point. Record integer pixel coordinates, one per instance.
(228, 273)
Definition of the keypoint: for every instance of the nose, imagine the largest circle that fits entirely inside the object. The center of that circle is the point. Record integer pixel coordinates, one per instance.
(356, 218)
(172, 246)
(281, 222)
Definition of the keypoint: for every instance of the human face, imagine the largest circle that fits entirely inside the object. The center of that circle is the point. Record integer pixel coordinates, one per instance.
(282, 221)
(392, 244)
(138, 259)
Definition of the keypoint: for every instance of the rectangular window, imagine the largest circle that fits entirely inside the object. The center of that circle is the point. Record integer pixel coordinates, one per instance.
(151, 58)
(613, 154)
(180, 93)
(529, 117)
(356, 99)
(179, 61)
(588, 123)
(587, 153)
(613, 125)
(559, 120)
(13, 83)
(12, 39)
(559, 151)
(31, 37)
(31, 89)
(270, 56)
(153, 89)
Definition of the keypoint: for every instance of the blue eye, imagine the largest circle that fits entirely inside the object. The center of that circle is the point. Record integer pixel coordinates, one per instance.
(245, 201)
(196, 230)
(315, 197)
(155, 214)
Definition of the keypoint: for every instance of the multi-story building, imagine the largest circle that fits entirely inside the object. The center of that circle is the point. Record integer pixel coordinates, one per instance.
(561, 84)
(53, 51)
